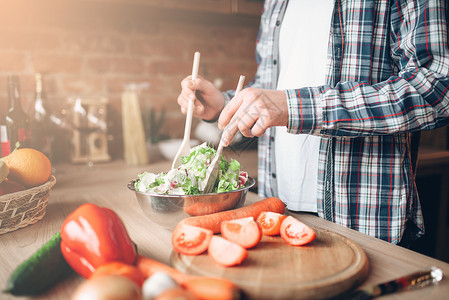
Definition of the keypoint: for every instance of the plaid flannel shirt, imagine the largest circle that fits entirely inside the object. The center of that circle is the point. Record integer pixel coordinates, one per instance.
(388, 79)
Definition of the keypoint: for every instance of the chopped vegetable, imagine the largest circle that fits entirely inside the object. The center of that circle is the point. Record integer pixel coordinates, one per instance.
(244, 231)
(191, 240)
(295, 232)
(270, 222)
(213, 221)
(185, 179)
(226, 253)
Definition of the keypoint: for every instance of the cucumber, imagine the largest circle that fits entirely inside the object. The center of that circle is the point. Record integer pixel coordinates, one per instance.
(40, 272)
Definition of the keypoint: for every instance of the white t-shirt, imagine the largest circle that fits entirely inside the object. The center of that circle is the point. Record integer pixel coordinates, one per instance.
(303, 44)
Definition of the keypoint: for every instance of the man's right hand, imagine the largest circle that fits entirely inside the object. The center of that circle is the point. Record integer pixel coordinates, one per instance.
(208, 100)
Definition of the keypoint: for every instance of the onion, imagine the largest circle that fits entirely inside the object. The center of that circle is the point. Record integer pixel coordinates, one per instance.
(109, 287)
(157, 284)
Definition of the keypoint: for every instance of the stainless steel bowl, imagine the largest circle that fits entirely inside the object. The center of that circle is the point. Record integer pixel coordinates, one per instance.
(168, 210)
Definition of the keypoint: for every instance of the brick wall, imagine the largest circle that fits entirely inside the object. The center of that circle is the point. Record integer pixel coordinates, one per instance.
(94, 49)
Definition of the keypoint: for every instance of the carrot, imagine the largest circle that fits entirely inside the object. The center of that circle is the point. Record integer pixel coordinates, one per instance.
(176, 293)
(208, 206)
(148, 267)
(213, 288)
(213, 221)
(201, 286)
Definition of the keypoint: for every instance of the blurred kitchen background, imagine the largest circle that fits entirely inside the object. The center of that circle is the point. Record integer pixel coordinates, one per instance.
(97, 48)
(94, 48)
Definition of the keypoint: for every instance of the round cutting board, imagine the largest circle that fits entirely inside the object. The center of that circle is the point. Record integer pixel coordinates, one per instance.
(326, 267)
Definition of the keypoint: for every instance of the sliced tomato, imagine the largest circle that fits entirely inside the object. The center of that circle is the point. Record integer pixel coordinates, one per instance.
(270, 222)
(191, 240)
(121, 269)
(295, 232)
(226, 253)
(244, 231)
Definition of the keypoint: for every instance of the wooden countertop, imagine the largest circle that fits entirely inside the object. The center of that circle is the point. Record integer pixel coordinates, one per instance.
(105, 185)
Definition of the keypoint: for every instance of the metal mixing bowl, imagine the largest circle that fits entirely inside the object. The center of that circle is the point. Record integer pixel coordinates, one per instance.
(168, 210)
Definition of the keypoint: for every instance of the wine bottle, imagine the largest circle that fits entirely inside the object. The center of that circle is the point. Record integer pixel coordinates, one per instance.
(43, 129)
(17, 121)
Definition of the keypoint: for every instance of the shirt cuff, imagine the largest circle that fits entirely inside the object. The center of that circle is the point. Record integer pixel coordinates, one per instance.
(304, 111)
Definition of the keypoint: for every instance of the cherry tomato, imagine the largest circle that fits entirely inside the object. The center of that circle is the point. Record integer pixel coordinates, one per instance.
(244, 231)
(191, 240)
(296, 233)
(270, 222)
(226, 253)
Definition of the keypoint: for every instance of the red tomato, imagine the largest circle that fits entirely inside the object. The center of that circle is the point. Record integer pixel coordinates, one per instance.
(244, 231)
(296, 233)
(120, 268)
(270, 222)
(9, 186)
(191, 240)
(226, 253)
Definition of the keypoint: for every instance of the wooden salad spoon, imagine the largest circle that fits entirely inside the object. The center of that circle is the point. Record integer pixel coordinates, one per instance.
(206, 186)
(184, 149)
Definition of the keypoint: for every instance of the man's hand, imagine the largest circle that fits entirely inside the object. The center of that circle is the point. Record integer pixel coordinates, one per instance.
(253, 111)
(208, 100)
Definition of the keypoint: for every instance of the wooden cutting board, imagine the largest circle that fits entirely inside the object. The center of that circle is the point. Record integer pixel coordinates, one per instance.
(326, 267)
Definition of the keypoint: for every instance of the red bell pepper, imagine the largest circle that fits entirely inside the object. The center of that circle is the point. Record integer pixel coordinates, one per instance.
(92, 236)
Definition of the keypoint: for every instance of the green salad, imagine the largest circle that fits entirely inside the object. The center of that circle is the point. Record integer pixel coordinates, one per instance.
(184, 180)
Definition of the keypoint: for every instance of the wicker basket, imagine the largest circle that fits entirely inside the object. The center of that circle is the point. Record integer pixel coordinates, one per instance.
(20, 209)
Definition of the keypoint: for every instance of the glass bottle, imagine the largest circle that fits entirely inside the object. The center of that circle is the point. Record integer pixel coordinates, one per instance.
(43, 131)
(17, 121)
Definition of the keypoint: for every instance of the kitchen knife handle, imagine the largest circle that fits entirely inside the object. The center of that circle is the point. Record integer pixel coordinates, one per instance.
(419, 279)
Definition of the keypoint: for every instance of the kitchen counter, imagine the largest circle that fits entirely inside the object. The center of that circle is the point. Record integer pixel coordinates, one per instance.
(105, 185)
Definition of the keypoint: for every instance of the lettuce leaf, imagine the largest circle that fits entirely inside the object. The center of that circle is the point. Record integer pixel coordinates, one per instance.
(184, 180)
